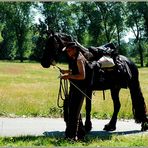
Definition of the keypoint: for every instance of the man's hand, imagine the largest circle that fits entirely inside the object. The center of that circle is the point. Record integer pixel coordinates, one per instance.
(65, 71)
(65, 77)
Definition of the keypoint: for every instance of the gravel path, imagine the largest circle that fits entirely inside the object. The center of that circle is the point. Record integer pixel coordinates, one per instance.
(51, 127)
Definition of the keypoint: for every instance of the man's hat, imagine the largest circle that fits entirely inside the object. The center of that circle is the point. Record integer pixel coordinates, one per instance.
(70, 45)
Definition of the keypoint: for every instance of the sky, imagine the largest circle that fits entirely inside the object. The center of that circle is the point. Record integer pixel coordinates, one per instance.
(128, 35)
(37, 14)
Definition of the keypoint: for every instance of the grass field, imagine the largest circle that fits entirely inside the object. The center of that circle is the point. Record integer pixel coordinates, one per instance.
(90, 141)
(27, 89)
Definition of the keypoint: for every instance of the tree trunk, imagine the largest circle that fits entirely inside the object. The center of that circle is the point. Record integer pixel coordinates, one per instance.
(20, 46)
(141, 54)
(118, 35)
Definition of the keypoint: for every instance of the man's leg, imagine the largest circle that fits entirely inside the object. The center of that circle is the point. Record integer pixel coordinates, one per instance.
(75, 104)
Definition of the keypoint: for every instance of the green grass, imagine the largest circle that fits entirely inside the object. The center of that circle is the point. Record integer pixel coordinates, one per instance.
(27, 89)
(108, 140)
(30, 90)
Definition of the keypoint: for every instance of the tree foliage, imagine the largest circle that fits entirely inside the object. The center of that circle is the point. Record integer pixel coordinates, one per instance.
(16, 26)
(91, 23)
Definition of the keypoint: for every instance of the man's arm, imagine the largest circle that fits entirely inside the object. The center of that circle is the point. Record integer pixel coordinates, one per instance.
(80, 75)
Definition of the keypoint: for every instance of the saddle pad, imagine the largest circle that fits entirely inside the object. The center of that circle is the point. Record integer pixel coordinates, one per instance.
(106, 62)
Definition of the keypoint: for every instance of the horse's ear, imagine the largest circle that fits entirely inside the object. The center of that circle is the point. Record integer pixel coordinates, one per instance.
(50, 31)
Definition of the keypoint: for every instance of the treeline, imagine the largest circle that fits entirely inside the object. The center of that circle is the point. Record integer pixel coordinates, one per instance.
(91, 23)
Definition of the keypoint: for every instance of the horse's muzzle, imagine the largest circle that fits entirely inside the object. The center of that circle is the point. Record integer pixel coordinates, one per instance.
(45, 63)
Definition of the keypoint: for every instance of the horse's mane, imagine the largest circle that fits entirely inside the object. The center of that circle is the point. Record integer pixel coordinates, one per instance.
(68, 38)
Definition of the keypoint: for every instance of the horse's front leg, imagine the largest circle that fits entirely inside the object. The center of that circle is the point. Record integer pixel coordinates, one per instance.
(111, 126)
(88, 124)
(144, 125)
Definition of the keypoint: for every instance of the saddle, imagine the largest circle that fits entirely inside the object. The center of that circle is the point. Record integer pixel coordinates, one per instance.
(108, 49)
(108, 67)
(108, 77)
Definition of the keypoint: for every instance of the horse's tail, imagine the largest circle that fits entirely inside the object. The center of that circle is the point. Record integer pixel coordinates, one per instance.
(138, 103)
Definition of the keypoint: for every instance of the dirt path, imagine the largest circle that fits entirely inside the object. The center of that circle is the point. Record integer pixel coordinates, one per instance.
(51, 127)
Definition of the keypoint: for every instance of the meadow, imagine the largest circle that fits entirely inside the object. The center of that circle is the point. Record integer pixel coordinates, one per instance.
(28, 90)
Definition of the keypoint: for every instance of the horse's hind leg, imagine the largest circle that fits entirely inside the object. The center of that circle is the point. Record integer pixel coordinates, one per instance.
(88, 124)
(111, 126)
(138, 104)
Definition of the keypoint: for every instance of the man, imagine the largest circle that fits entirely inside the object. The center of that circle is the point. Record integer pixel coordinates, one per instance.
(77, 76)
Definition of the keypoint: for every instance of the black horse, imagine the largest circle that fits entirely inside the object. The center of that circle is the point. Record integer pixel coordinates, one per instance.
(113, 80)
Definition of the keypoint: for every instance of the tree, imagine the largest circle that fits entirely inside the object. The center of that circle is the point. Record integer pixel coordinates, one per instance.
(143, 8)
(105, 21)
(8, 45)
(92, 22)
(80, 22)
(135, 22)
(16, 21)
(39, 40)
(118, 19)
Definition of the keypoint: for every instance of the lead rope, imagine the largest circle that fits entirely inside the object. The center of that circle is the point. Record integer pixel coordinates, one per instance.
(103, 94)
(80, 90)
(64, 91)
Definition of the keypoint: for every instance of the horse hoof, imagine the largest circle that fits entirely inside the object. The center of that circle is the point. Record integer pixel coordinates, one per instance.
(88, 126)
(144, 126)
(109, 127)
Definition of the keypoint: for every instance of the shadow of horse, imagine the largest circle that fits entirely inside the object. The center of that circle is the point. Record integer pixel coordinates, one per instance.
(109, 134)
(55, 134)
(103, 135)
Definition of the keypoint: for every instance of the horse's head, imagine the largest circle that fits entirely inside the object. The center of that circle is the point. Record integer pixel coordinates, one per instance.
(54, 44)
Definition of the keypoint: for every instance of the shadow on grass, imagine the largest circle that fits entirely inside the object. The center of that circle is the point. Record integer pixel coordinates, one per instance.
(54, 134)
(91, 137)
(109, 134)
(57, 138)
(104, 135)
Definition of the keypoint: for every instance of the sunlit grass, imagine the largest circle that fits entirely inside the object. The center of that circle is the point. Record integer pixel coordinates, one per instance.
(30, 90)
(108, 140)
(27, 89)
